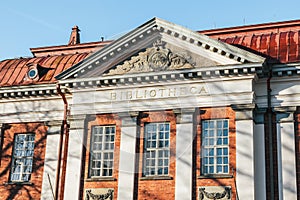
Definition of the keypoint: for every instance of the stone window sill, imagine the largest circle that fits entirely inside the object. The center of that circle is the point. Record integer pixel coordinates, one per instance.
(100, 179)
(215, 176)
(156, 178)
(18, 183)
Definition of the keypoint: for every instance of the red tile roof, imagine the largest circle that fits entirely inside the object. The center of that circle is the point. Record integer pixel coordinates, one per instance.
(13, 71)
(278, 41)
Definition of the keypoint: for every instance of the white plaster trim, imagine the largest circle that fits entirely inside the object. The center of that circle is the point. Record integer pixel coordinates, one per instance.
(184, 161)
(259, 162)
(127, 163)
(245, 159)
(286, 161)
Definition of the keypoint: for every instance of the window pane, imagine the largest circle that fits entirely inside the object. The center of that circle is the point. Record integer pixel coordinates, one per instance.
(215, 141)
(102, 149)
(156, 152)
(22, 157)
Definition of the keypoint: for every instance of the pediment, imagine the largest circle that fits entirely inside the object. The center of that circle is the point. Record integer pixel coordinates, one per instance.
(152, 59)
(159, 45)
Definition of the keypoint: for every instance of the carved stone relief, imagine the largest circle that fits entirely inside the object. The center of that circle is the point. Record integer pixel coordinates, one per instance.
(99, 194)
(214, 193)
(156, 58)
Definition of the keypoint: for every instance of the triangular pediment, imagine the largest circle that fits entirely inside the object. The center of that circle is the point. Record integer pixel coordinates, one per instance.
(159, 45)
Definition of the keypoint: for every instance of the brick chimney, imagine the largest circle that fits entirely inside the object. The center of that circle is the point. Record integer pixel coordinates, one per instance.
(75, 37)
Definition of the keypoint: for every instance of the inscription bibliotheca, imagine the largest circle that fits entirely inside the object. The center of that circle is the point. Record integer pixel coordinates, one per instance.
(158, 92)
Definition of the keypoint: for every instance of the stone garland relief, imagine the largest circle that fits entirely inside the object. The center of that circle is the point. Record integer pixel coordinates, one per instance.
(156, 58)
(214, 193)
(99, 194)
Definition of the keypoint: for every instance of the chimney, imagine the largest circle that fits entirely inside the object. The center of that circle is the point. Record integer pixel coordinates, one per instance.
(75, 37)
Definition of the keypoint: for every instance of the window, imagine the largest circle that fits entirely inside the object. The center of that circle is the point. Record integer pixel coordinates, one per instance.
(215, 147)
(102, 151)
(22, 158)
(157, 149)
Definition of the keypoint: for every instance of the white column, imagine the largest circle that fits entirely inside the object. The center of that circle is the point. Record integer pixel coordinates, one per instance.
(51, 155)
(184, 154)
(259, 157)
(244, 151)
(127, 156)
(73, 169)
(286, 153)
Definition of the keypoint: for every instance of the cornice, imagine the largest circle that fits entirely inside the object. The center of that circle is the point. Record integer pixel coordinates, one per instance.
(165, 76)
(281, 70)
(15, 92)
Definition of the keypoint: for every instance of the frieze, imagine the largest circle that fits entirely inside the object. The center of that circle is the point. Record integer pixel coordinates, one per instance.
(156, 58)
(214, 193)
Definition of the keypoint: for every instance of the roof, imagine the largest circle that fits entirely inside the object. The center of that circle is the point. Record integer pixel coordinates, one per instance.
(47, 61)
(278, 41)
(13, 71)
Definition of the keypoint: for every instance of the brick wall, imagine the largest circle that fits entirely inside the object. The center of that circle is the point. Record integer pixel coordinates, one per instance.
(153, 188)
(158, 187)
(87, 182)
(32, 190)
(200, 181)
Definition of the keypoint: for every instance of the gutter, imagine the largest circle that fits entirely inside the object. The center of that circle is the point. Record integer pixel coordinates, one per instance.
(270, 136)
(63, 150)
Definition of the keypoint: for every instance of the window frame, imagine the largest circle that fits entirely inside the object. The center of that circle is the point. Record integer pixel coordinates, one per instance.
(207, 156)
(22, 157)
(157, 149)
(102, 151)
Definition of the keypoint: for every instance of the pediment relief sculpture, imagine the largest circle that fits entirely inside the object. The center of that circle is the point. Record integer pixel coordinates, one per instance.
(156, 58)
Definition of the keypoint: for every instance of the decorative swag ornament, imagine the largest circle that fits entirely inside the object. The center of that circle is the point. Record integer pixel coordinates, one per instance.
(91, 196)
(156, 58)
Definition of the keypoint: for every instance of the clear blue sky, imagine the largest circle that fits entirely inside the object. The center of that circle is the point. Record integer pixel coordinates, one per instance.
(26, 24)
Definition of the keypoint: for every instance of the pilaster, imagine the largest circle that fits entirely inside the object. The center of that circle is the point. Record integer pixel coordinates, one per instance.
(74, 159)
(51, 155)
(184, 153)
(245, 180)
(286, 152)
(259, 154)
(127, 155)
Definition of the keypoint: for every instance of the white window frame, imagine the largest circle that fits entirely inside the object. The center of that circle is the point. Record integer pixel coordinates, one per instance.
(215, 147)
(102, 151)
(156, 149)
(22, 157)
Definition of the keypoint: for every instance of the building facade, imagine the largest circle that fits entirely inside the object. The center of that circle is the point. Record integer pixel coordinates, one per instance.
(163, 112)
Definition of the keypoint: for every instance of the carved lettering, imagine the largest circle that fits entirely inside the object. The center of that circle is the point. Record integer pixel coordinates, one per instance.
(160, 92)
(172, 92)
(113, 96)
(152, 93)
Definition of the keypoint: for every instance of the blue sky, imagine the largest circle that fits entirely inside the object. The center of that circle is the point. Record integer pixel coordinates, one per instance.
(32, 23)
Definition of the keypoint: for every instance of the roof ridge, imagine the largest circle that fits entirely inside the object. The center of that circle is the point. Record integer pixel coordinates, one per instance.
(252, 27)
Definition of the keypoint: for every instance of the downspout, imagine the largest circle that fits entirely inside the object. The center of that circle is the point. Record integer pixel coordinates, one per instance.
(270, 134)
(63, 148)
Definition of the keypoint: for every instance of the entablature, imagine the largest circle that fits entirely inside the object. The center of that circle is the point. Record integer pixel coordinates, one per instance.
(205, 73)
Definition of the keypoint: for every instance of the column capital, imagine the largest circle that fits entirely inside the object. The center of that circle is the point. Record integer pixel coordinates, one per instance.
(259, 115)
(243, 111)
(286, 109)
(128, 118)
(77, 121)
(285, 114)
(242, 107)
(184, 115)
